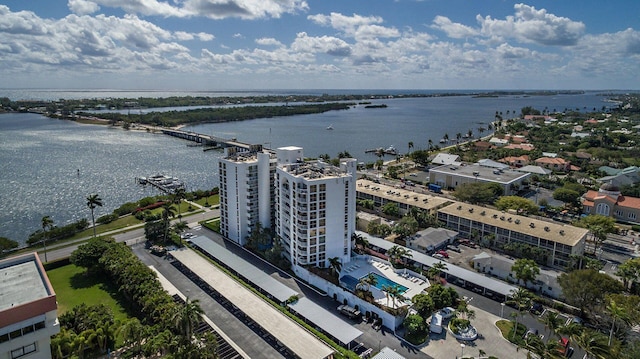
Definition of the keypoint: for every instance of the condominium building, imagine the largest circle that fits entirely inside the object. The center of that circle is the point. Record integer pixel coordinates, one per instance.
(28, 309)
(246, 191)
(315, 208)
(495, 227)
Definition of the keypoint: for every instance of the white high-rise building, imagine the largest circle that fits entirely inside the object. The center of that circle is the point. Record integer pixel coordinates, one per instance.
(315, 208)
(246, 192)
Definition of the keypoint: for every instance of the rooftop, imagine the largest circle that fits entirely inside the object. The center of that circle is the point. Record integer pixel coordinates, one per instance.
(551, 231)
(314, 170)
(482, 173)
(22, 281)
(406, 196)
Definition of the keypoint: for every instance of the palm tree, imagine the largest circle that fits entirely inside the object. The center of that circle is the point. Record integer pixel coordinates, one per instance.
(430, 142)
(47, 224)
(94, 201)
(616, 312)
(470, 133)
(397, 252)
(458, 137)
(393, 292)
(178, 195)
(410, 145)
(168, 212)
(552, 321)
(435, 271)
(521, 297)
(186, 318)
(336, 265)
(593, 343)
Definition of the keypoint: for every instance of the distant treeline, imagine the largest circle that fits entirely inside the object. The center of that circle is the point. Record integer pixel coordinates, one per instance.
(223, 114)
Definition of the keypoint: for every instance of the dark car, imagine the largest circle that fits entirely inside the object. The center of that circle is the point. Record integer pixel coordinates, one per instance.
(453, 248)
(536, 308)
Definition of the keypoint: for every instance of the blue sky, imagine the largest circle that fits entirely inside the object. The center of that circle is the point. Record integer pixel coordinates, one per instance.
(309, 44)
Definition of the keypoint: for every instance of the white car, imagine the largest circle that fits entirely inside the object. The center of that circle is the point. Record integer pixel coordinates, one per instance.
(186, 235)
(447, 312)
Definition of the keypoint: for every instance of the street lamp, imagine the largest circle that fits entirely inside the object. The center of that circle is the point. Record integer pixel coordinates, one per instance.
(502, 310)
(462, 347)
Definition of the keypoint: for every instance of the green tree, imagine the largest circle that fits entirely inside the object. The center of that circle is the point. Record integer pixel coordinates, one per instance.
(423, 304)
(336, 265)
(587, 288)
(396, 253)
(478, 192)
(186, 319)
(567, 195)
(94, 201)
(599, 226)
(7, 244)
(168, 212)
(522, 300)
(88, 255)
(616, 312)
(406, 227)
(414, 324)
(436, 270)
(552, 321)
(178, 195)
(47, 225)
(442, 296)
(593, 343)
(629, 272)
(525, 270)
(517, 203)
(391, 209)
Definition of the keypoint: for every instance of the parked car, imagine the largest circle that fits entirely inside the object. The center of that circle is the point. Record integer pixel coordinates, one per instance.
(187, 235)
(536, 308)
(531, 331)
(453, 248)
(443, 253)
(437, 255)
(349, 311)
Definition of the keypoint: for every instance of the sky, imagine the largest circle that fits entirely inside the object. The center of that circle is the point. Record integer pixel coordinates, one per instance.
(319, 44)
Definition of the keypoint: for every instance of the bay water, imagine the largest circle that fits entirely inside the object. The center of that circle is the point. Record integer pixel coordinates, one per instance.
(40, 157)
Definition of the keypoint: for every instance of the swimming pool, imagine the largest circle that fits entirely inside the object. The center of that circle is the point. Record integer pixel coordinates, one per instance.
(386, 282)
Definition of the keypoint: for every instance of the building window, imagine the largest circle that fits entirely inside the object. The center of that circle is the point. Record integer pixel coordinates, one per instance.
(632, 215)
(20, 352)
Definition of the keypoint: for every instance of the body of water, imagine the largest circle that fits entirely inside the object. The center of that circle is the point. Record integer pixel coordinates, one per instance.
(40, 157)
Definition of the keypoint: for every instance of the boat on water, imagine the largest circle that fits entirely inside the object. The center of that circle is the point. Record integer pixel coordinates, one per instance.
(391, 150)
(443, 140)
(330, 127)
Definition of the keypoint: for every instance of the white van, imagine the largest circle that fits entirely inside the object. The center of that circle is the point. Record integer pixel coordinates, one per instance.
(436, 323)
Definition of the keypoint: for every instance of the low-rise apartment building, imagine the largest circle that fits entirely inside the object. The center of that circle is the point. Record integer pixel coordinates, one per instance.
(499, 227)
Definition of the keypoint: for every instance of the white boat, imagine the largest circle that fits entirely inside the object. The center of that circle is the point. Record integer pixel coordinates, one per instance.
(330, 127)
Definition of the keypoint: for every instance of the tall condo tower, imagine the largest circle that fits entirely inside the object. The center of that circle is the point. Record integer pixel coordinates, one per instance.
(314, 208)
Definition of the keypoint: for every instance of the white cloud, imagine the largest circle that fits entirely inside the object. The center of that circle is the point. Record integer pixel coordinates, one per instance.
(533, 26)
(507, 51)
(238, 36)
(268, 41)
(83, 7)
(186, 36)
(244, 9)
(347, 24)
(453, 30)
(324, 44)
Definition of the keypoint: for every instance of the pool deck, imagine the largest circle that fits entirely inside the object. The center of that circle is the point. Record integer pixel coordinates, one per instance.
(415, 282)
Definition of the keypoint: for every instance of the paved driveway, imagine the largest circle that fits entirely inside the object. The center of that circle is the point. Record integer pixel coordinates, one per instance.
(491, 341)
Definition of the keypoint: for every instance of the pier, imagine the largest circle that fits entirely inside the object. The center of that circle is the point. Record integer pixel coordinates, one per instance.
(165, 184)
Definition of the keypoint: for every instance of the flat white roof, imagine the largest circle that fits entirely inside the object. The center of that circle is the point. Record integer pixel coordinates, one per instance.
(296, 338)
(21, 282)
(278, 290)
(326, 320)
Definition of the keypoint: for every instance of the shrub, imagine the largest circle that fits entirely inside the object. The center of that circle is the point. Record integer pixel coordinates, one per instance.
(107, 218)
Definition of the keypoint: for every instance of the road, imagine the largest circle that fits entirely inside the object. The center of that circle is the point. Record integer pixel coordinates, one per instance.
(64, 250)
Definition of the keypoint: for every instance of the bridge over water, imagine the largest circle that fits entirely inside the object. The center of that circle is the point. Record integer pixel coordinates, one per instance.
(206, 140)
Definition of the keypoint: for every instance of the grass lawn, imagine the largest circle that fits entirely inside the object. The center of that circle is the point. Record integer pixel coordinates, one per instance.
(506, 328)
(212, 200)
(73, 287)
